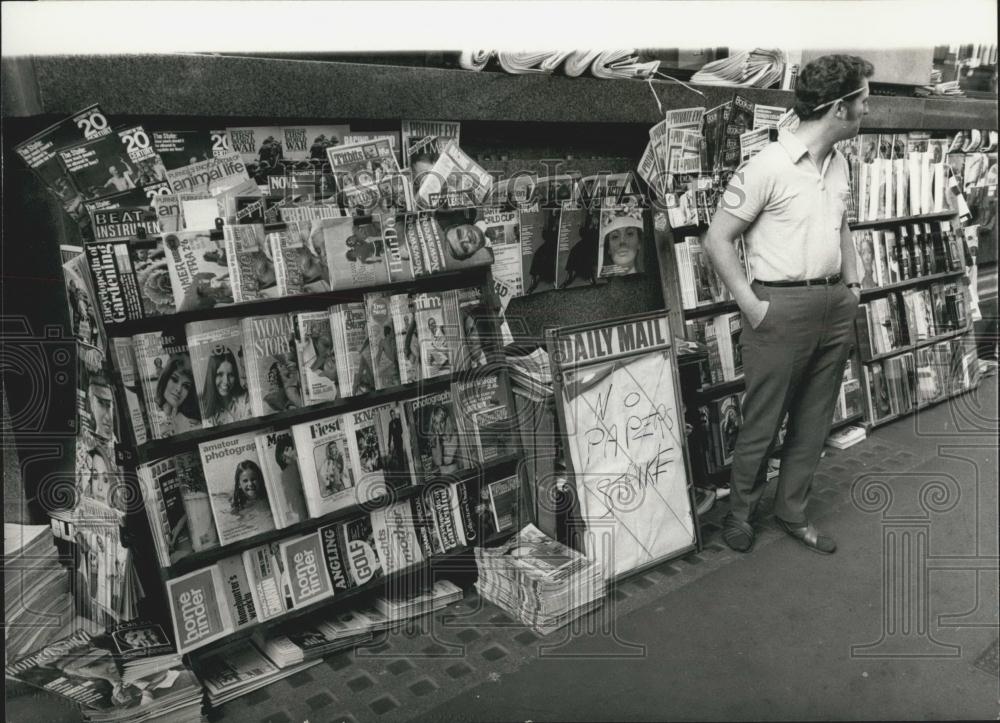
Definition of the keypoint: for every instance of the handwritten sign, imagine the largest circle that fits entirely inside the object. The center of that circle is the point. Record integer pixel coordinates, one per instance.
(625, 440)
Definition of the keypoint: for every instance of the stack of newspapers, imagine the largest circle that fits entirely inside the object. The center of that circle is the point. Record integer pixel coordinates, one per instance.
(623, 63)
(760, 68)
(239, 668)
(132, 672)
(539, 581)
(399, 605)
(316, 636)
(37, 603)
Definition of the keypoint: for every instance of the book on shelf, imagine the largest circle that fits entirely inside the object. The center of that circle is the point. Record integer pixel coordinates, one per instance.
(382, 338)
(280, 465)
(327, 465)
(725, 420)
(438, 445)
(352, 348)
(217, 361)
(878, 397)
(199, 272)
(272, 371)
(504, 497)
(930, 375)
(315, 357)
(236, 487)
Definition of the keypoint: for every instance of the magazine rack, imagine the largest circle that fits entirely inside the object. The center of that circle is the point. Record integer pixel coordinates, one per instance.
(132, 454)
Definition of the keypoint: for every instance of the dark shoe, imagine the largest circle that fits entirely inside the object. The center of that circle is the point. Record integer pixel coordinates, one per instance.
(737, 534)
(809, 536)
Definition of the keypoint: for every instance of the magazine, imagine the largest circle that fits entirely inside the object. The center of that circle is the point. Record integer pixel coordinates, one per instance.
(252, 275)
(395, 537)
(368, 452)
(199, 271)
(236, 591)
(197, 609)
(299, 264)
(363, 562)
(484, 420)
(436, 318)
(163, 366)
(100, 167)
(399, 266)
(122, 223)
(280, 464)
(236, 486)
(576, 248)
(437, 438)
(362, 169)
(539, 242)
(392, 137)
(131, 278)
(315, 356)
(354, 252)
(197, 504)
(407, 339)
(475, 325)
(503, 502)
(269, 585)
(124, 352)
(327, 465)
(621, 241)
(272, 368)
(352, 348)
(309, 143)
(454, 181)
(336, 557)
(219, 374)
(183, 148)
(421, 141)
(210, 177)
(260, 145)
(41, 154)
(304, 561)
(448, 526)
(164, 504)
(382, 340)
(502, 228)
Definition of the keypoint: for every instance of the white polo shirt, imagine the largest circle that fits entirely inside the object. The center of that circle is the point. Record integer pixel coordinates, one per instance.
(795, 211)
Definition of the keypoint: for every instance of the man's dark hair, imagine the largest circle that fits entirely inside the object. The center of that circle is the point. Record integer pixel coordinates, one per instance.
(827, 78)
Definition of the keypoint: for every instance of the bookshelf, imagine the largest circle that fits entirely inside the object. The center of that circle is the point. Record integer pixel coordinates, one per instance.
(900, 220)
(922, 343)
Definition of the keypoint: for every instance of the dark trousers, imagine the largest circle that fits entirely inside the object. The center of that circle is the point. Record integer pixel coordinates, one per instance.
(793, 362)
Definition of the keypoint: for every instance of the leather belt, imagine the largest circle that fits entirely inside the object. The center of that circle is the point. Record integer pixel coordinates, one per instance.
(825, 281)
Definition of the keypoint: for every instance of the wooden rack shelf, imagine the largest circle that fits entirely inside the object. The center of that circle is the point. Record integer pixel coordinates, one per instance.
(720, 307)
(207, 557)
(922, 405)
(916, 281)
(899, 221)
(912, 347)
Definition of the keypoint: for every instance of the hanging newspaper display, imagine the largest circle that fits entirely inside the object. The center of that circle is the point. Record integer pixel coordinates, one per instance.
(618, 405)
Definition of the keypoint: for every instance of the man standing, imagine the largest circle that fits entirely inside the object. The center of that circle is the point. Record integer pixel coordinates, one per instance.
(789, 202)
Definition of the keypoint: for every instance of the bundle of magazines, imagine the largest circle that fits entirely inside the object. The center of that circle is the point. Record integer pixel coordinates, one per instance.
(760, 68)
(130, 673)
(539, 581)
(623, 63)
